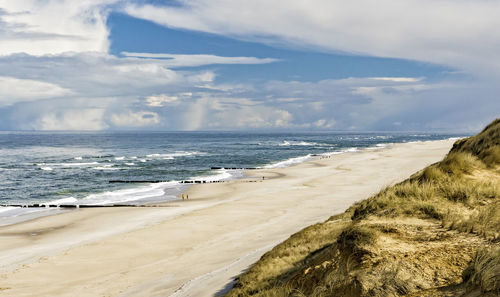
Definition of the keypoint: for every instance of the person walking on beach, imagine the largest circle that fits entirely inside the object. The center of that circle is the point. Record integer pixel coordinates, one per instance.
(182, 196)
(187, 196)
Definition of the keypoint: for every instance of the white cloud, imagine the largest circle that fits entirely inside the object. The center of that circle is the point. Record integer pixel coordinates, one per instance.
(135, 119)
(160, 100)
(206, 77)
(76, 119)
(398, 79)
(173, 60)
(329, 104)
(57, 26)
(101, 75)
(16, 90)
(213, 112)
(341, 89)
(284, 118)
(323, 123)
(460, 34)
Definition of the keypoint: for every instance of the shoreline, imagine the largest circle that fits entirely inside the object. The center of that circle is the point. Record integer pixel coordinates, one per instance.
(34, 210)
(220, 230)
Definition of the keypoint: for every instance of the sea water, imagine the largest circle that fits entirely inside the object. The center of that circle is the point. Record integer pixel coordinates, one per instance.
(75, 168)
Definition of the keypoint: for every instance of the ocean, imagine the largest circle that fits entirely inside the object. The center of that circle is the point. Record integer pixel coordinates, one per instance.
(76, 168)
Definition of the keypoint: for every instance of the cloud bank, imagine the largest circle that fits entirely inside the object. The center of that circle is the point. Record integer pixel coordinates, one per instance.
(56, 72)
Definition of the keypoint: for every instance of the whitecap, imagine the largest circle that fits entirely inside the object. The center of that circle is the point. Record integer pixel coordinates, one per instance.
(289, 162)
(332, 153)
(302, 143)
(220, 174)
(78, 158)
(351, 150)
(119, 158)
(46, 168)
(106, 167)
(173, 155)
(68, 200)
(68, 164)
(152, 191)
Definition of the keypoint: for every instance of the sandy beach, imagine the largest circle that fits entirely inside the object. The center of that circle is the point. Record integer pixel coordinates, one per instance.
(194, 247)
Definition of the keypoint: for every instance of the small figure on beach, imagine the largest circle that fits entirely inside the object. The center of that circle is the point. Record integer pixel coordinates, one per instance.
(182, 196)
(263, 178)
(187, 196)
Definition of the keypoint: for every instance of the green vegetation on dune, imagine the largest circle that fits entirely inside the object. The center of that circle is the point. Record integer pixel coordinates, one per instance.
(485, 145)
(434, 234)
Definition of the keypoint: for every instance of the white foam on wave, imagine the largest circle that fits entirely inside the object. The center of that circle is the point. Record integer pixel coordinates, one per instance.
(46, 168)
(220, 174)
(332, 153)
(130, 164)
(119, 158)
(377, 137)
(173, 155)
(377, 146)
(302, 143)
(68, 200)
(148, 192)
(289, 162)
(68, 164)
(106, 167)
(78, 158)
(296, 160)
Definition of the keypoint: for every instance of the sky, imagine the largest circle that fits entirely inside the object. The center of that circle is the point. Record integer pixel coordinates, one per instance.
(260, 65)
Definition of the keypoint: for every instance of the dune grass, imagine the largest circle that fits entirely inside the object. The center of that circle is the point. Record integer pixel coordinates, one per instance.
(449, 191)
(276, 267)
(484, 271)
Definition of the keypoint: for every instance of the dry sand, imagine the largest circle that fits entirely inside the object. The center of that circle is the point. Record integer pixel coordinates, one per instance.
(194, 247)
